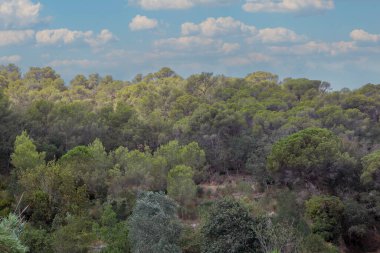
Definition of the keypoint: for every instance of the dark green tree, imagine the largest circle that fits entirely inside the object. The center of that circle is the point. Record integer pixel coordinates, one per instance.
(229, 228)
(326, 213)
(313, 155)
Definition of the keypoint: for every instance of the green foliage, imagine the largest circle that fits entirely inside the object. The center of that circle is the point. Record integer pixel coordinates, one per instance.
(304, 87)
(315, 244)
(51, 190)
(11, 228)
(113, 233)
(371, 168)
(312, 155)
(105, 140)
(181, 186)
(89, 164)
(25, 154)
(37, 240)
(5, 202)
(290, 211)
(75, 235)
(190, 155)
(277, 237)
(229, 228)
(191, 240)
(261, 76)
(153, 225)
(325, 213)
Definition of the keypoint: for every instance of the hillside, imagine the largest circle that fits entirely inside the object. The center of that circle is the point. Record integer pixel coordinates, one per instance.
(208, 163)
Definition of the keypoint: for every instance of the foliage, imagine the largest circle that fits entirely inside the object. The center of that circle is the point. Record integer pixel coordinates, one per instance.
(277, 237)
(49, 191)
(74, 235)
(25, 155)
(74, 157)
(229, 228)
(11, 228)
(326, 214)
(312, 155)
(153, 225)
(181, 186)
(316, 244)
(371, 167)
(112, 232)
(37, 240)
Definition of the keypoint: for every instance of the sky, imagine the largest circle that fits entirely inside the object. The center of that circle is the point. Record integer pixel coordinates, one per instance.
(337, 41)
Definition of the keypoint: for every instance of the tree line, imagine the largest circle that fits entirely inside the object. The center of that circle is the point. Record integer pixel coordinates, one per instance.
(207, 164)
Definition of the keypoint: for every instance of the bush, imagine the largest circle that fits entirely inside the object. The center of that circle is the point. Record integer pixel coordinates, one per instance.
(229, 228)
(326, 214)
(316, 244)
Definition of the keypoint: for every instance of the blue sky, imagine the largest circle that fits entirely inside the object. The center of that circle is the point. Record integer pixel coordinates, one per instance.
(332, 40)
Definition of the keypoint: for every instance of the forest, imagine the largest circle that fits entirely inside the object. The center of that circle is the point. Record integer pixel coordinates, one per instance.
(203, 164)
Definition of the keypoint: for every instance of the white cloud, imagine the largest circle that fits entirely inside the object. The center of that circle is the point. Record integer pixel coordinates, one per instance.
(11, 37)
(250, 58)
(176, 4)
(314, 47)
(142, 23)
(189, 28)
(19, 12)
(184, 43)
(63, 35)
(229, 47)
(165, 4)
(361, 35)
(196, 45)
(217, 26)
(10, 59)
(212, 27)
(279, 34)
(101, 39)
(66, 36)
(84, 63)
(287, 5)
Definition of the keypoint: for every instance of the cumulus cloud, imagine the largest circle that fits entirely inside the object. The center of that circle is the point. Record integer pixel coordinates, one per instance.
(250, 58)
(19, 12)
(279, 34)
(185, 42)
(229, 47)
(287, 5)
(197, 44)
(314, 47)
(142, 23)
(101, 39)
(222, 26)
(223, 36)
(66, 36)
(217, 26)
(361, 35)
(10, 59)
(84, 63)
(176, 4)
(63, 35)
(13, 37)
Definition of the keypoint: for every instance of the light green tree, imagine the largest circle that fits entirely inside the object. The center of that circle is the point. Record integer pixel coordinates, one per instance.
(113, 232)
(181, 186)
(25, 154)
(371, 168)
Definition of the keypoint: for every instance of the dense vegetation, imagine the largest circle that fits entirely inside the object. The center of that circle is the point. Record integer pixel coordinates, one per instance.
(207, 164)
